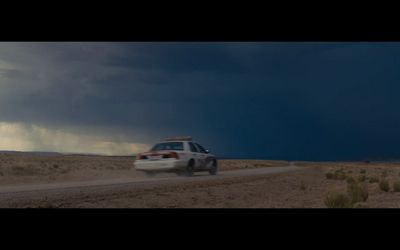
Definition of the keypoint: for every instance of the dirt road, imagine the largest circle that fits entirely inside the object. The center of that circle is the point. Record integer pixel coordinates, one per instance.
(9, 193)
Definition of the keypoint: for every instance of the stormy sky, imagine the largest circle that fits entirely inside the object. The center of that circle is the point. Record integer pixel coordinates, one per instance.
(289, 100)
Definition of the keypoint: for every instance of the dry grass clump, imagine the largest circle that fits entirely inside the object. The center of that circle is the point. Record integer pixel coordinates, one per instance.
(329, 175)
(362, 178)
(337, 175)
(303, 186)
(384, 185)
(355, 197)
(396, 186)
(350, 180)
(373, 179)
(336, 199)
(357, 192)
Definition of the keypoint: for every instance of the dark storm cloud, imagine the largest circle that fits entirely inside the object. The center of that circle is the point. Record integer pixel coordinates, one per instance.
(274, 100)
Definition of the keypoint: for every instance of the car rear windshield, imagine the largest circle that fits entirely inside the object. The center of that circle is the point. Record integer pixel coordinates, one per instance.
(168, 146)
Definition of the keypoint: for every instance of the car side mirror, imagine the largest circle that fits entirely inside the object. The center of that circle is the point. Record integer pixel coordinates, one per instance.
(207, 151)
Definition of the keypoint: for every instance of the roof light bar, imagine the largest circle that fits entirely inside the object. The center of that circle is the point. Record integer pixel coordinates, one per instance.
(179, 138)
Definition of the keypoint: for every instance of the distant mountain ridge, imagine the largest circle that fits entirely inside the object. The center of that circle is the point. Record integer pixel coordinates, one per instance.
(30, 153)
(40, 153)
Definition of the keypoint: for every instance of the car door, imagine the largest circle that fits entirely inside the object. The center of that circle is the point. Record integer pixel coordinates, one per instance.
(196, 155)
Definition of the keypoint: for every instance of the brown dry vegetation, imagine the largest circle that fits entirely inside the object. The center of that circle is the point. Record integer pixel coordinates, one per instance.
(23, 169)
(308, 187)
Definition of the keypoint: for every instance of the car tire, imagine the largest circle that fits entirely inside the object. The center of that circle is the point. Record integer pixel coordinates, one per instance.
(214, 168)
(189, 168)
(149, 173)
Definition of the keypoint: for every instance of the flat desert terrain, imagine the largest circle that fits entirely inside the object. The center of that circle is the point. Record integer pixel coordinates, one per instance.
(72, 181)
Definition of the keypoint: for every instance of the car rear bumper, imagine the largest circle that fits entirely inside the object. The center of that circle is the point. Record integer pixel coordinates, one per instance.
(160, 165)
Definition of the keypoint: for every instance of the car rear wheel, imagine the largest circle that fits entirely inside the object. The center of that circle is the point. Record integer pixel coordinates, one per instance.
(189, 168)
(214, 168)
(149, 173)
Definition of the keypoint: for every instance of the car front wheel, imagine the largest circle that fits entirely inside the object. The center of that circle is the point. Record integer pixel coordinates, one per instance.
(214, 168)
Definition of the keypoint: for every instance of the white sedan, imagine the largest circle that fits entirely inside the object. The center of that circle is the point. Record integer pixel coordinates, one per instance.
(180, 155)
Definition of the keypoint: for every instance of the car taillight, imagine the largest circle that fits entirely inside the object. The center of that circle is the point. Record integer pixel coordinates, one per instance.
(171, 155)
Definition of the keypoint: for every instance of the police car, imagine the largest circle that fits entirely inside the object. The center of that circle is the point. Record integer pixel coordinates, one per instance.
(178, 154)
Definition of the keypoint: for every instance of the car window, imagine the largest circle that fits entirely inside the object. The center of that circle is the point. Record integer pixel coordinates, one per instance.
(193, 147)
(202, 150)
(168, 146)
